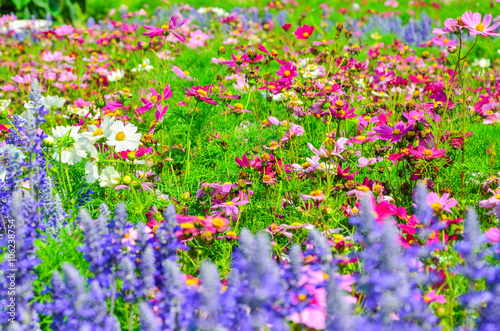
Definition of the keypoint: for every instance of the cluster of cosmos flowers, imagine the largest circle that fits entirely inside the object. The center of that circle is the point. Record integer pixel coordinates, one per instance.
(346, 154)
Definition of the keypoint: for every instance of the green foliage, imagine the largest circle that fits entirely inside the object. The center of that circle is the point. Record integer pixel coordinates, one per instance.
(62, 11)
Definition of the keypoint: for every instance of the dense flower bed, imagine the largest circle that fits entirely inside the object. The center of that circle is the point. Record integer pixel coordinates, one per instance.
(250, 170)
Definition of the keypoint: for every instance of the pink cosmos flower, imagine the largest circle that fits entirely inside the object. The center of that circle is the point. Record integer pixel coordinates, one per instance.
(181, 74)
(441, 204)
(450, 25)
(64, 30)
(316, 196)
(27, 79)
(304, 32)
(492, 201)
(393, 134)
(197, 39)
(428, 154)
(477, 27)
(493, 235)
(433, 297)
(287, 72)
(230, 209)
(363, 161)
(166, 29)
(311, 165)
(313, 294)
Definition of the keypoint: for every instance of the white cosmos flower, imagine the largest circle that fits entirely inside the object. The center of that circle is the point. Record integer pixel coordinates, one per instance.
(91, 170)
(4, 104)
(115, 75)
(482, 63)
(53, 102)
(124, 137)
(95, 133)
(68, 144)
(109, 177)
(81, 112)
(144, 66)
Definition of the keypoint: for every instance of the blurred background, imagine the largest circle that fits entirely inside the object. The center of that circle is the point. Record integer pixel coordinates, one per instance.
(78, 11)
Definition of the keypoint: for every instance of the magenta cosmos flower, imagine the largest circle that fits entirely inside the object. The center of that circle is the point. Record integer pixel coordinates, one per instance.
(477, 26)
(287, 72)
(394, 134)
(304, 32)
(165, 29)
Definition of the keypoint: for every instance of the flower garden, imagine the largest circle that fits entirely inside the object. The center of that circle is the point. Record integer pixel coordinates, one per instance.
(289, 166)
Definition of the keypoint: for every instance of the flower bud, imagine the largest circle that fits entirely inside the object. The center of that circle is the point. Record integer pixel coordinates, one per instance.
(126, 179)
(131, 155)
(452, 49)
(100, 102)
(186, 196)
(48, 142)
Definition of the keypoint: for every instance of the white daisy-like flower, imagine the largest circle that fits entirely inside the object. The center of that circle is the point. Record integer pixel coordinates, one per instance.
(68, 146)
(91, 170)
(144, 66)
(115, 75)
(53, 102)
(124, 137)
(4, 104)
(482, 63)
(81, 112)
(109, 177)
(96, 133)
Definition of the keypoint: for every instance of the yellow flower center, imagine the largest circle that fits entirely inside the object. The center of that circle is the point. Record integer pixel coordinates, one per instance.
(164, 26)
(191, 281)
(266, 178)
(316, 193)
(396, 132)
(306, 165)
(271, 87)
(97, 132)
(287, 73)
(229, 203)
(238, 106)
(120, 136)
(361, 138)
(427, 153)
(202, 93)
(302, 297)
(339, 103)
(218, 223)
(497, 196)
(273, 145)
(363, 188)
(480, 27)
(231, 234)
(187, 226)
(436, 206)
(305, 34)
